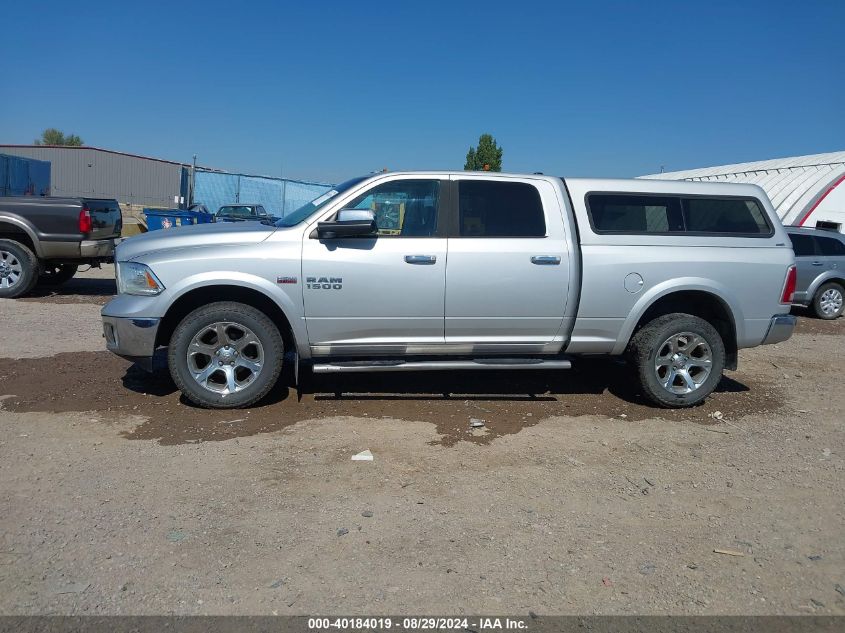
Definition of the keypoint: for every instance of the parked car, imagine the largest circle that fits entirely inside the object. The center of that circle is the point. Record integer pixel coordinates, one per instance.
(243, 213)
(678, 276)
(45, 239)
(820, 259)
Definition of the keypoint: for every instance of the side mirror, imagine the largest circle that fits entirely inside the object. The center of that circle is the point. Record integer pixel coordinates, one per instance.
(349, 223)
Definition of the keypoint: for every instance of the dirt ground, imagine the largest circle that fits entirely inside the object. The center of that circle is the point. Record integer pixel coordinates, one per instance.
(117, 497)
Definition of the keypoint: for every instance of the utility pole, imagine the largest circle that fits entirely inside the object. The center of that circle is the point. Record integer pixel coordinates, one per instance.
(193, 182)
(284, 187)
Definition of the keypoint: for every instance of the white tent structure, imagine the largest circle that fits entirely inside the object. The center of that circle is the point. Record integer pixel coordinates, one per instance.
(805, 190)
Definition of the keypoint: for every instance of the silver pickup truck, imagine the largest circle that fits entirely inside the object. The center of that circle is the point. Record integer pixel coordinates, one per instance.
(465, 270)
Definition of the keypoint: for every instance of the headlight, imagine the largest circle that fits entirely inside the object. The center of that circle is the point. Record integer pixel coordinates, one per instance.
(136, 279)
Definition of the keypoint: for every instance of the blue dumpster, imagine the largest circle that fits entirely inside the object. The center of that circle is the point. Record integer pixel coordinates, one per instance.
(168, 218)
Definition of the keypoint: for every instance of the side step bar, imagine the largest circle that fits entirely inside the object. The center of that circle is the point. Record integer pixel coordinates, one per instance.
(438, 365)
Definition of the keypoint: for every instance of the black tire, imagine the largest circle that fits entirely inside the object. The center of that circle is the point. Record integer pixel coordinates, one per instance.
(18, 269)
(268, 353)
(655, 339)
(56, 274)
(826, 299)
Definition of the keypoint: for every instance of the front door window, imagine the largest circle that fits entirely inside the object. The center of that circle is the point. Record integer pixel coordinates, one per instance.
(404, 208)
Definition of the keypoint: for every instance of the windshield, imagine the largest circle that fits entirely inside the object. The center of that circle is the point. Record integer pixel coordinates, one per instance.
(304, 212)
(237, 211)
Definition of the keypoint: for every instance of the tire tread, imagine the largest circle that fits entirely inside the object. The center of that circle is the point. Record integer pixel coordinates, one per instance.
(653, 334)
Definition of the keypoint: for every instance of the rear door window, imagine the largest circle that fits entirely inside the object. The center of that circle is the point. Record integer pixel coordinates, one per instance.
(619, 213)
(830, 246)
(489, 208)
(803, 245)
(725, 215)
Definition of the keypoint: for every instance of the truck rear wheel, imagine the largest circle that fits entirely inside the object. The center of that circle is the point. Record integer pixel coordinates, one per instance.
(679, 360)
(18, 269)
(56, 274)
(225, 355)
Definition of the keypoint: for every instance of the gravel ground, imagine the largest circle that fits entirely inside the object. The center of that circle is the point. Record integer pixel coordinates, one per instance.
(575, 497)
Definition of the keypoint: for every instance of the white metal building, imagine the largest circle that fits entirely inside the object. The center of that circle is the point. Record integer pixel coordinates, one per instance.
(805, 190)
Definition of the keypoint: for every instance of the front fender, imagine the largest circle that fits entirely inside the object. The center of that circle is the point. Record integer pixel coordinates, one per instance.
(291, 306)
(670, 286)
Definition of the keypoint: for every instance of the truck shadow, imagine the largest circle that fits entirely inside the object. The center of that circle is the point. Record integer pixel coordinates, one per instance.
(77, 290)
(506, 402)
(590, 377)
(115, 391)
(809, 323)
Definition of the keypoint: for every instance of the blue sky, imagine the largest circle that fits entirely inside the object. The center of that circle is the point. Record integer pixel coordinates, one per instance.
(325, 90)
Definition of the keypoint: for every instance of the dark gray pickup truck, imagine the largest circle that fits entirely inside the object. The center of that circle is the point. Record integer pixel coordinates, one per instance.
(45, 240)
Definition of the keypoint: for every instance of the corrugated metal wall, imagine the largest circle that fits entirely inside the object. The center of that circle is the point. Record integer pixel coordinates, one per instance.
(102, 174)
(279, 196)
(93, 172)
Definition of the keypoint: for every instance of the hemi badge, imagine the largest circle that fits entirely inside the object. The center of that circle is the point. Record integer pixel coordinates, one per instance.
(286, 280)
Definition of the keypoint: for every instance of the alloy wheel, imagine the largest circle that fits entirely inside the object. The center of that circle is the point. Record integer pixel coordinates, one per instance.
(831, 301)
(225, 357)
(683, 363)
(10, 270)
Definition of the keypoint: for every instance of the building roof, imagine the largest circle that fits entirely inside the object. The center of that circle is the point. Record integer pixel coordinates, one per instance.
(98, 149)
(159, 160)
(795, 185)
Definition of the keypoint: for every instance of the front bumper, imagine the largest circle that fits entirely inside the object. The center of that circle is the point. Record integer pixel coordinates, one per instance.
(97, 249)
(132, 338)
(780, 329)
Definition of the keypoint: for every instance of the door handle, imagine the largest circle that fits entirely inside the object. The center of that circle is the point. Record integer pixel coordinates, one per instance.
(545, 260)
(420, 259)
(816, 264)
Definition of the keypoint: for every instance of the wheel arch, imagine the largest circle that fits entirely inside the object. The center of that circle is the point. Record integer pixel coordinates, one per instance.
(204, 295)
(13, 228)
(818, 282)
(703, 302)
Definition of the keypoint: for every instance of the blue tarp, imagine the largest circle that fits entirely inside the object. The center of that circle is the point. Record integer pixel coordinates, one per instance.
(279, 196)
(24, 176)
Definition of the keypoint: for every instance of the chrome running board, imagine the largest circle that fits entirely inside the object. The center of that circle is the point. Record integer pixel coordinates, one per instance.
(360, 366)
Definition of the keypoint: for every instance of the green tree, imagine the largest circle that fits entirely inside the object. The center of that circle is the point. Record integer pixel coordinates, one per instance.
(52, 136)
(487, 156)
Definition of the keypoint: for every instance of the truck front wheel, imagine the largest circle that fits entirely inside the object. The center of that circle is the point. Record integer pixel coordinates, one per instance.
(225, 355)
(679, 360)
